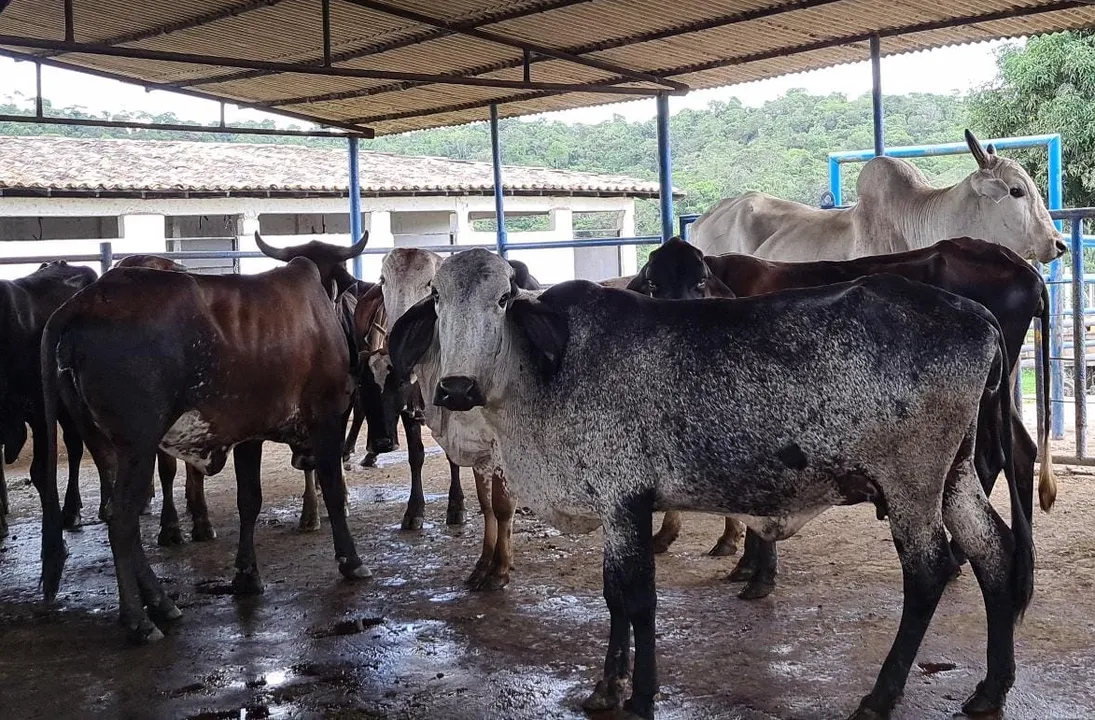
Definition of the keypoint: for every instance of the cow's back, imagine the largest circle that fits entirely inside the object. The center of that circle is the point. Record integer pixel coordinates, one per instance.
(758, 224)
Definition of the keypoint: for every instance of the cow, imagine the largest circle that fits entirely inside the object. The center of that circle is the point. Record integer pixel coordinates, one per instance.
(881, 385)
(406, 277)
(25, 305)
(223, 364)
(984, 272)
(897, 210)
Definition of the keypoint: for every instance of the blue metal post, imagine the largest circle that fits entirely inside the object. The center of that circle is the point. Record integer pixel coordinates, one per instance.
(355, 204)
(834, 181)
(876, 94)
(1079, 337)
(496, 161)
(665, 172)
(1056, 300)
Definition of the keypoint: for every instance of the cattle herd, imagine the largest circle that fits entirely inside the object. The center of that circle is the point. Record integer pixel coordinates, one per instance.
(809, 359)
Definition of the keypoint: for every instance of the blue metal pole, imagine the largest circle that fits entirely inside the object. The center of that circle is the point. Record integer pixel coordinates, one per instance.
(1079, 337)
(355, 204)
(876, 94)
(496, 161)
(665, 172)
(1056, 299)
(834, 181)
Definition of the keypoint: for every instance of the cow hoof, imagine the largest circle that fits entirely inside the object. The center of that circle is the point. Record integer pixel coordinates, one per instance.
(412, 522)
(744, 571)
(633, 711)
(479, 574)
(72, 520)
(3, 527)
(354, 570)
(203, 532)
(456, 516)
(144, 632)
(983, 704)
(606, 696)
(308, 524)
(369, 460)
(865, 713)
(53, 565)
(170, 535)
(724, 548)
(165, 610)
(104, 513)
(757, 588)
(247, 582)
(662, 542)
(492, 582)
(146, 509)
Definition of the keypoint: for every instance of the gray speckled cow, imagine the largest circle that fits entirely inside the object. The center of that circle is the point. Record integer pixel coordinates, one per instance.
(769, 409)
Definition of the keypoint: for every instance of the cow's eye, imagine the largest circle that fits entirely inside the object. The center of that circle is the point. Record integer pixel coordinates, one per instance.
(651, 288)
(701, 285)
(504, 299)
(1017, 192)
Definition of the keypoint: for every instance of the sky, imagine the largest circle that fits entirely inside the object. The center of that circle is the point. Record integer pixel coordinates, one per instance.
(945, 70)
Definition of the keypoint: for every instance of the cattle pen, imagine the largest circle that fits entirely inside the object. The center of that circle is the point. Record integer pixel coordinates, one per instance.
(413, 642)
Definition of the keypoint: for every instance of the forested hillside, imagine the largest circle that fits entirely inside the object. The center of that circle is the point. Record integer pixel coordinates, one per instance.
(779, 147)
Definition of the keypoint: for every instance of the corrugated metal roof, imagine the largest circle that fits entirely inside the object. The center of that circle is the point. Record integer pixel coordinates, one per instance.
(701, 43)
(78, 165)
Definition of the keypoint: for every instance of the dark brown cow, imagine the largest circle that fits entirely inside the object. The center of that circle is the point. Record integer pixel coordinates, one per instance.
(987, 273)
(25, 306)
(223, 363)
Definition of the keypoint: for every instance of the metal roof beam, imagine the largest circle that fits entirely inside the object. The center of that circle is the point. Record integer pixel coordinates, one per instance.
(167, 87)
(301, 69)
(698, 26)
(168, 28)
(754, 57)
(218, 129)
(500, 39)
(416, 38)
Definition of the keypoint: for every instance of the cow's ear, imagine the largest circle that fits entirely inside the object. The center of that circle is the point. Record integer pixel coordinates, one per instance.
(991, 187)
(716, 288)
(411, 337)
(544, 328)
(638, 283)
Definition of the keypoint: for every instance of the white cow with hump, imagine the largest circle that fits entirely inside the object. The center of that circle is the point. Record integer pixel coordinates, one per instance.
(897, 210)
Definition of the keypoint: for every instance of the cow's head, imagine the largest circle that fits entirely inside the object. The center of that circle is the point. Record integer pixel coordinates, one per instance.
(676, 271)
(330, 259)
(1009, 209)
(152, 262)
(406, 277)
(481, 324)
(383, 399)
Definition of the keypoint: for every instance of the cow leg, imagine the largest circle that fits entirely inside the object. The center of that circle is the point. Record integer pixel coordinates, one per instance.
(455, 515)
(926, 566)
(54, 549)
(5, 508)
(490, 529)
(977, 527)
(201, 528)
(416, 456)
(727, 543)
(759, 565)
(170, 532)
(632, 600)
(671, 528)
(503, 505)
(248, 457)
(327, 445)
(134, 583)
(74, 447)
(309, 509)
(355, 430)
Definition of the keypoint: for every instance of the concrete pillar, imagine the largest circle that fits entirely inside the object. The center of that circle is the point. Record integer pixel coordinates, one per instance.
(461, 225)
(379, 225)
(247, 224)
(561, 223)
(141, 234)
(628, 261)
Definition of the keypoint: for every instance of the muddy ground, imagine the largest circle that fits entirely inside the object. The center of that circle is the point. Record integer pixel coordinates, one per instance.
(413, 643)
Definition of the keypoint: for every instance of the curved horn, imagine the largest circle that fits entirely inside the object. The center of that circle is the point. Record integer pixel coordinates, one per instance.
(282, 254)
(976, 150)
(356, 249)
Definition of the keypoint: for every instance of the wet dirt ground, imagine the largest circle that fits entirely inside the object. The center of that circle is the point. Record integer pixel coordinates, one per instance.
(413, 643)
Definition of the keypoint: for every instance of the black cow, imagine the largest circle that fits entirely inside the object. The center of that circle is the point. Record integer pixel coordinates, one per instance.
(25, 306)
(223, 363)
(987, 273)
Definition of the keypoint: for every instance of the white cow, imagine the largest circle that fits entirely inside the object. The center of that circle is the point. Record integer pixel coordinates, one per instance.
(897, 210)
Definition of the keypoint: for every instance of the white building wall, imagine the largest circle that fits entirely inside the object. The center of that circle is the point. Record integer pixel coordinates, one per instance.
(141, 226)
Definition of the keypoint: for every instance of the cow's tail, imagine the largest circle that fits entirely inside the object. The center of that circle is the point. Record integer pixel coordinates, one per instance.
(1047, 480)
(1022, 577)
(54, 550)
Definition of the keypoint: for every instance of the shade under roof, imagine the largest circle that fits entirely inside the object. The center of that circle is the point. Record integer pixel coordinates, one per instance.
(387, 58)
